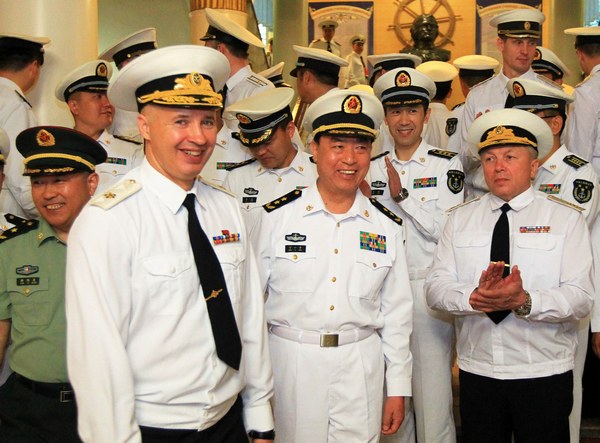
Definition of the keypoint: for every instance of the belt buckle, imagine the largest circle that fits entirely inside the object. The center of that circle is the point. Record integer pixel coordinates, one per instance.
(329, 340)
(66, 396)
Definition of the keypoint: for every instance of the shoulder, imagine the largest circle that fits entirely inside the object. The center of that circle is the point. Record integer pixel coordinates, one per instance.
(315, 41)
(385, 211)
(257, 80)
(560, 201)
(377, 157)
(282, 201)
(22, 226)
(442, 153)
(455, 107)
(240, 164)
(480, 84)
(461, 205)
(116, 194)
(574, 161)
(214, 185)
(127, 139)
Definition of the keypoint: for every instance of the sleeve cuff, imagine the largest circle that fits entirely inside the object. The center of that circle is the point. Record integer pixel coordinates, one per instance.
(259, 418)
(398, 387)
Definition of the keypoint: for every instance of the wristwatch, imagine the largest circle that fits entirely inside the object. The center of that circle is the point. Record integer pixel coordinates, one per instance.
(264, 435)
(402, 196)
(525, 308)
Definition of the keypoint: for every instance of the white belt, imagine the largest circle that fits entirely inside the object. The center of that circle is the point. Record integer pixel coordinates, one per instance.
(325, 340)
(418, 275)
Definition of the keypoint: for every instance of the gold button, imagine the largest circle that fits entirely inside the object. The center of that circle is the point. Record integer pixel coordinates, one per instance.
(403, 172)
(279, 179)
(331, 308)
(422, 199)
(301, 169)
(422, 159)
(335, 251)
(366, 213)
(40, 235)
(26, 291)
(114, 172)
(338, 224)
(309, 208)
(295, 257)
(333, 279)
(132, 181)
(374, 265)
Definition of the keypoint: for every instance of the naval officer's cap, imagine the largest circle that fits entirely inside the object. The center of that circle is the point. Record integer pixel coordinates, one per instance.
(20, 43)
(185, 76)
(344, 113)
(387, 62)
(545, 60)
(585, 35)
(475, 65)
(404, 87)
(439, 72)
(56, 150)
(328, 24)
(275, 75)
(519, 23)
(535, 96)
(318, 60)
(357, 38)
(132, 46)
(90, 77)
(510, 127)
(259, 115)
(223, 29)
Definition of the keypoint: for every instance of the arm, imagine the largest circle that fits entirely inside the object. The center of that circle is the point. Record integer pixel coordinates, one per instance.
(582, 124)
(4, 338)
(393, 415)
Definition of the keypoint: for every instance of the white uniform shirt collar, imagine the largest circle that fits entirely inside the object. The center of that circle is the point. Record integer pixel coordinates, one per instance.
(10, 84)
(516, 204)
(554, 162)
(314, 203)
(238, 77)
(300, 164)
(420, 156)
(529, 75)
(169, 193)
(594, 70)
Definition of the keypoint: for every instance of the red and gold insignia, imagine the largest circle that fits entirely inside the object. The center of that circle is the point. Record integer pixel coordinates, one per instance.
(196, 78)
(527, 26)
(45, 138)
(403, 79)
(518, 90)
(538, 55)
(243, 118)
(101, 70)
(352, 105)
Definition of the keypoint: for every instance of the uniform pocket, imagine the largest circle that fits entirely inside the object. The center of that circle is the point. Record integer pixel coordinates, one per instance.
(170, 280)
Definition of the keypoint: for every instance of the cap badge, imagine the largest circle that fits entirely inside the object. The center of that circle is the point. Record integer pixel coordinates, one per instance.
(403, 79)
(538, 55)
(518, 89)
(244, 119)
(501, 135)
(352, 105)
(45, 138)
(101, 70)
(185, 92)
(527, 26)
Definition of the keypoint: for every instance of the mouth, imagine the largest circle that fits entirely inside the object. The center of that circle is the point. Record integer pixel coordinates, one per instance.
(347, 171)
(54, 206)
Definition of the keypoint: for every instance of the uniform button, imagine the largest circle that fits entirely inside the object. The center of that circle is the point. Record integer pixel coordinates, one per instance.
(295, 257)
(374, 265)
(27, 291)
(301, 169)
(114, 172)
(279, 179)
(403, 172)
(333, 279)
(422, 199)
(335, 251)
(338, 224)
(331, 308)
(172, 270)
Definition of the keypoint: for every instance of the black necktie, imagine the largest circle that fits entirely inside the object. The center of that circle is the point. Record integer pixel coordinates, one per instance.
(329, 46)
(224, 94)
(220, 312)
(500, 251)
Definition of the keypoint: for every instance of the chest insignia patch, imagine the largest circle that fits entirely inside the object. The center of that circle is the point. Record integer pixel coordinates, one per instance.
(550, 188)
(582, 190)
(116, 160)
(27, 270)
(456, 180)
(451, 125)
(534, 229)
(425, 182)
(372, 242)
(227, 237)
(295, 237)
(28, 281)
(250, 191)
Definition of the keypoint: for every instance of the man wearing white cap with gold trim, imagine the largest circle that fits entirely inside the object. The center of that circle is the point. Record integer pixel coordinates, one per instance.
(21, 60)
(326, 42)
(339, 304)
(420, 182)
(84, 91)
(356, 72)
(172, 304)
(519, 32)
(514, 268)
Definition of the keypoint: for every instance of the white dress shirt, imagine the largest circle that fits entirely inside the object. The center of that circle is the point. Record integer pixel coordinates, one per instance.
(140, 347)
(435, 132)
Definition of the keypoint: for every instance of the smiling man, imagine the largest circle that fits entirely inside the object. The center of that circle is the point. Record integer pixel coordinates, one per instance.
(84, 91)
(514, 268)
(37, 402)
(339, 304)
(166, 334)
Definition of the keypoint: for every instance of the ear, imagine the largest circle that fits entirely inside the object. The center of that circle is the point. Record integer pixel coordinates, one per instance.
(314, 150)
(535, 164)
(144, 126)
(73, 106)
(500, 44)
(92, 182)
(290, 129)
(427, 115)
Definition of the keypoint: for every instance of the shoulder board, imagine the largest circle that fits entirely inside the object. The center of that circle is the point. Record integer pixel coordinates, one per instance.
(24, 99)
(257, 81)
(116, 194)
(483, 82)
(574, 161)
(314, 41)
(216, 186)
(383, 154)
(15, 219)
(442, 153)
(457, 106)
(21, 227)
(385, 211)
(462, 204)
(335, 43)
(240, 164)
(560, 201)
(127, 139)
(283, 200)
(583, 81)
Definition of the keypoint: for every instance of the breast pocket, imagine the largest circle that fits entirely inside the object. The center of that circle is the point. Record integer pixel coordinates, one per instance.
(426, 196)
(539, 256)
(472, 254)
(369, 272)
(232, 259)
(171, 281)
(292, 270)
(30, 302)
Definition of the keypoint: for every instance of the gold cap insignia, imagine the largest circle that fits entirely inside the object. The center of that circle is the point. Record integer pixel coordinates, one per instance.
(501, 135)
(403, 79)
(102, 70)
(193, 89)
(538, 55)
(527, 26)
(45, 138)
(352, 105)
(243, 118)
(518, 89)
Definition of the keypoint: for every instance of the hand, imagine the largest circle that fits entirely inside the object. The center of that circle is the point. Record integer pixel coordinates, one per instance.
(393, 415)
(498, 295)
(394, 183)
(365, 188)
(596, 343)
(261, 440)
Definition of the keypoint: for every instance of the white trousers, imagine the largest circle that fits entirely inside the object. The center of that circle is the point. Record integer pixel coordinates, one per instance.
(327, 395)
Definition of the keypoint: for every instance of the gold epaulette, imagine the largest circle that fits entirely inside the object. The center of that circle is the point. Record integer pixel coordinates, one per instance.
(560, 201)
(216, 186)
(383, 154)
(574, 161)
(283, 200)
(442, 153)
(460, 205)
(389, 214)
(116, 194)
(22, 225)
(240, 164)
(127, 139)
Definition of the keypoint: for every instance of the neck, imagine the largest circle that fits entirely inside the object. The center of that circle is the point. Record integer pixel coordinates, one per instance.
(236, 64)
(336, 202)
(89, 130)
(404, 153)
(16, 77)
(555, 147)
(511, 73)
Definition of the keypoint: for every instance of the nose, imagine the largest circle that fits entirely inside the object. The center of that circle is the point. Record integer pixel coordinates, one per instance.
(349, 156)
(196, 134)
(49, 191)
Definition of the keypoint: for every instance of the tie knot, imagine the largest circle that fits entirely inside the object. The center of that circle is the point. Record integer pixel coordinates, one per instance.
(505, 208)
(189, 202)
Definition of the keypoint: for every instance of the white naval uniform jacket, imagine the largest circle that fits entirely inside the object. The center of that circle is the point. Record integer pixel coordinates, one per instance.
(436, 131)
(139, 340)
(123, 156)
(550, 244)
(330, 273)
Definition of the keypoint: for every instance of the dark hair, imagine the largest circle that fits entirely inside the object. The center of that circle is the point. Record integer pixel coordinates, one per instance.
(236, 51)
(442, 90)
(17, 60)
(327, 79)
(553, 113)
(589, 49)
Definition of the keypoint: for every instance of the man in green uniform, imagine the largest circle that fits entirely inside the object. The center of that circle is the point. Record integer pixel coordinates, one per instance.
(37, 402)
